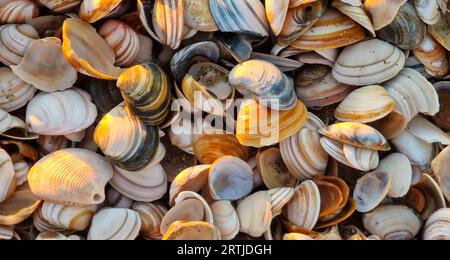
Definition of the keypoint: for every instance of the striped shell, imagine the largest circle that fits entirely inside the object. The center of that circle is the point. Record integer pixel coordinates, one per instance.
(437, 226)
(210, 147)
(151, 217)
(14, 41)
(433, 56)
(83, 185)
(115, 224)
(225, 219)
(60, 6)
(18, 11)
(7, 176)
(68, 217)
(92, 11)
(428, 11)
(14, 93)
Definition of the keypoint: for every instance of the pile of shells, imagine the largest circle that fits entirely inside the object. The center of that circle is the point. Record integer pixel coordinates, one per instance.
(224, 119)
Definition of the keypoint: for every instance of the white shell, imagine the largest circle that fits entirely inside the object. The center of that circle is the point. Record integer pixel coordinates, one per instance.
(371, 189)
(427, 131)
(279, 198)
(14, 40)
(255, 214)
(14, 93)
(225, 219)
(151, 217)
(7, 176)
(428, 11)
(68, 217)
(418, 151)
(398, 166)
(115, 224)
(437, 226)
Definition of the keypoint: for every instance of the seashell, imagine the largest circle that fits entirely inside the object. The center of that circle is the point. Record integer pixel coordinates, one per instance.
(145, 53)
(14, 93)
(197, 15)
(428, 11)
(255, 214)
(392, 223)
(240, 16)
(87, 51)
(192, 230)
(151, 216)
(331, 198)
(85, 185)
(406, 31)
(383, 12)
(18, 11)
(49, 144)
(146, 185)
(57, 74)
(279, 197)
(230, 178)
(18, 207)
(42, 225)
(371, 189)
(226, 219)
(398, 166)
(92, 11)
(427, 131)
(356, 13)
(48, 25)
(276, 12)
(314, 58)
(60, 113)
(105, 94)
(391, 125)
(440, 33)
(357, 158)
(265, 82)
(145, 89)
(284, 64)
(442, 118)
(303, 155)
(304, 208)
(191, 179)
(21, 169)
(331, 234)
(163, 20)
(14, 41)
(238, 47)
(6, 232)
(122, 39)
(206, 87)
(115, 224)
(132, 146)
(339, 216)
(60, 6)
(299, 20)
(209, 147)
(437, 227)
(316, 86)
(7, 176)
(356, 134)
(182, 136)
(297, 3)
(189, 206)
(116, 200)
(55, 236)
(296, 236)
(67, 217)
(418, 151)
(333, 30)
(434, 198)
(413, 94)
(14, 128)
(441, 171)
(358, 66)
(254, 130)
(19, 150)
(273, 171)
(366, 104)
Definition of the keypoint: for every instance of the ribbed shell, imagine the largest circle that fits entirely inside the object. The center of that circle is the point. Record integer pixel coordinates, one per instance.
(7, 176)
(437, 226)
(14, 41)
(14, 93)
(71, 177)
(68, 217)
(18, 11)
(60, 6)
(225, 219)
(122, 39)
(145, 89)
(115, 224)
(279, 197)
(151, 217)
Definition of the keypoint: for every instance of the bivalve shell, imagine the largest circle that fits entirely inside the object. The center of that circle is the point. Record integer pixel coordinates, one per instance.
(60, 6)
(115, 224)
(428, 11)
(398, 166)
(18, 11)
(92, 11)
(192, 230)
(14, 41)
(255, 214)
(18, 207)
(68, 217)
(226, 219)
(371, 189)
(437, 226)
(151, 217)
(383, 12)
(7, 176)
(442, 171)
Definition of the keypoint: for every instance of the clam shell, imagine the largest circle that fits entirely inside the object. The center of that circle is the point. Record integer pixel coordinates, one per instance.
(258, 126)
(210, 147)
(356, 13)
(366, 104)
(60, 6)
(284, 64)
(85, 185)
(437, 226)
(441, 33)
(406, 31)
(240, 16)
(68, 217)
(428, 11)
(383, 12)
(427, 131)
(151, 216)
(230, 178)
(18, 11)
(122, 39)
(265, 82)
(49, 144)
(14, 93)
(6, 232)
(14, 128)
(60, 113)
(225, 219)
(21, 169)
(398, 166)
(14, 41)
(145, 89)
(116, 200)
(18, 207)
(115, 224)
(276, 12)
(197, 15)
(48, 25)
(333, 30)
(371, 190)
(279, 197)
(314, 58)
(303, 155)
(191, 179)
(42, 225)
(413, 94)
(132, 146)
(358, 66)
(146, 185)
(105, 94)
(331, 198)
(442, 119)
(304, 208)
(7, 176)
(92, 11)
(273, 171)
(442, 171)
(87, 51)
(418, 151)
(316, 86)
(57, 74)
(19, 150)
(433, 195)
(391, 125)
(356, 134)
(193, 230)
(55, 236)
(255, 214)
(392, 223)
